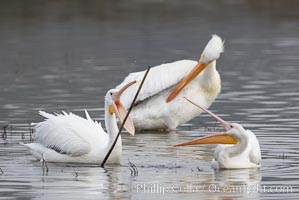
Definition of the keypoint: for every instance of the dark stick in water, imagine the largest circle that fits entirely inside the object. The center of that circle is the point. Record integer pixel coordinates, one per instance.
(127, 115)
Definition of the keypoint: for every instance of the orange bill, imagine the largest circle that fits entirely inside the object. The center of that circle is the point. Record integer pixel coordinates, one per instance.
(217, 138)
(180, 86)
(124, 89)
(121, 111)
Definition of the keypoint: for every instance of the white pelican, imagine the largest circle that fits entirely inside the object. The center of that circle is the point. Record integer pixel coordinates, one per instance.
(243, 151)
(157, 106)
(69, 138)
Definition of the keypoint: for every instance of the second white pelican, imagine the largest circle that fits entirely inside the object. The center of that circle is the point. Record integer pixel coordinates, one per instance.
(69, 138)
(238, 148)
(157, 106)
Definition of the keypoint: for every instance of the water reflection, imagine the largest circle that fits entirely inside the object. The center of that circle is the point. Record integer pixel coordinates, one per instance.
(238, 177)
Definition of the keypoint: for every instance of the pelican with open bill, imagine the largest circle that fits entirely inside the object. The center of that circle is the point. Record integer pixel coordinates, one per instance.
(238, 148)
(69, 138)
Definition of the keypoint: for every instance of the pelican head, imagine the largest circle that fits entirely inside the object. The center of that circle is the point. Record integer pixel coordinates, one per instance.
(213, 50)
(210, 53)
(115, 106)
(233, 135)
(244, 151)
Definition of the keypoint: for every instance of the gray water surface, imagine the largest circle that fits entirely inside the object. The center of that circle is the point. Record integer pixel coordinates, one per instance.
(65, 55)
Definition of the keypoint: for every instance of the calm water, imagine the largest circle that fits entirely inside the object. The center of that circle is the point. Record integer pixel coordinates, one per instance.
(65, 55)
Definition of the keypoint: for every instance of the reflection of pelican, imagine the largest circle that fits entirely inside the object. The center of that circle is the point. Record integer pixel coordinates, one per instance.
(250, 176)
(92, 182)
(244, 153)
(240, 182)
(166, 81)
(70, 138)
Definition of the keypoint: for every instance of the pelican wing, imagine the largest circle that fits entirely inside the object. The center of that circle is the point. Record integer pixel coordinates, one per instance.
(159, 78)
(67, 133)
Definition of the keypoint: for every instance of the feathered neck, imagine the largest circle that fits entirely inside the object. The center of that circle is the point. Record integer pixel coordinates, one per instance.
(238, 148)
(112, 130)
(210, 79)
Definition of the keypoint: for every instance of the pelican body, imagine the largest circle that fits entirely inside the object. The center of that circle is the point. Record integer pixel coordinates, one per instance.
(159, 105)
(69, 138)
(238, 148)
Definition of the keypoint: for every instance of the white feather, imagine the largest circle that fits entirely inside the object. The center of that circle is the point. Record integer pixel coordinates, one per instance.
(213, 49)
(159, 78)
(248, 154)
(68, 133)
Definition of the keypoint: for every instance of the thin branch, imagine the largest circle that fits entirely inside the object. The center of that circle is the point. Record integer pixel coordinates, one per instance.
(127, 115)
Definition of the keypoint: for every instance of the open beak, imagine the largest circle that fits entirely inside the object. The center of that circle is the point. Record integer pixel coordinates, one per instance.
(226, 124)
(217, 138)
(121, 111)
(180, 86)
